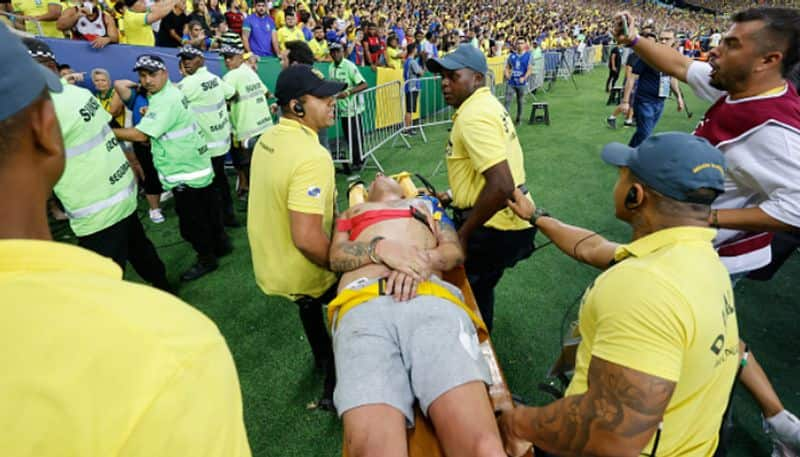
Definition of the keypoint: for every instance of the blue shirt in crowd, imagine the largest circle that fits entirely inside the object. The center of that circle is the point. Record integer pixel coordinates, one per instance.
(261, 29)
(519, 66)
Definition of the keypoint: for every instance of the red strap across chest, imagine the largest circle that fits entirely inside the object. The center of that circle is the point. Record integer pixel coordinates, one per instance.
(357, 224)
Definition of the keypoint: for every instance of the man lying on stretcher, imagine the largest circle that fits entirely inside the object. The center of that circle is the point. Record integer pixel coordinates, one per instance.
(401, 333)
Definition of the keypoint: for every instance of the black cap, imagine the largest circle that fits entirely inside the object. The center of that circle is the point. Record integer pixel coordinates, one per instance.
(149, 62)
(38, 49)
(19, 88)
(299, 80)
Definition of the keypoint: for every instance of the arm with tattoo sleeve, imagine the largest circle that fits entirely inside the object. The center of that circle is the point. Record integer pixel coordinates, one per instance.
(616, 416)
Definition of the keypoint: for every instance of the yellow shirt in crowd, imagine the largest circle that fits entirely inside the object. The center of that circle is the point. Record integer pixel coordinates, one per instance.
(285, 34)
(666, 309)
(93, 365)
(290, 172)
(394, 58)
(319, 48)
(38, 8)
(482, 136)
(136, 30)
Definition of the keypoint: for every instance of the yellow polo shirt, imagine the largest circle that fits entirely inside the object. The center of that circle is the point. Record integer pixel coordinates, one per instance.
(290, 171)
(96, 366)
(319, 48)
(285, 34)
(38, 8)
(135, 29)
(482, 136)
(666, 309)
(394, 58)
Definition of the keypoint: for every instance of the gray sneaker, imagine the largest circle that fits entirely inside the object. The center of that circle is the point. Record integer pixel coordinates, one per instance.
(611, 122)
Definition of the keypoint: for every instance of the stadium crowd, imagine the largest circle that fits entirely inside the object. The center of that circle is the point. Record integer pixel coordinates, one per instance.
(703, 209)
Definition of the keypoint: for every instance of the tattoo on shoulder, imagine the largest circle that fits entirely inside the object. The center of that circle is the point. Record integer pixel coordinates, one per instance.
(620, 400)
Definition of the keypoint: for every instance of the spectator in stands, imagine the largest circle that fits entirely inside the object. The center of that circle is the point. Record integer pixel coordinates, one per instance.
(196, 36)
(307, 25)
(350, 109)
(412, 71)
(32, 14)
(137, 20)
(201, 15)
(90, 23)
(153, 370)
(290, 31)
(355, 48)
(216, 17)
(259, 34)
(183, 165)
(234, 17)
(484, 165)
(517, 70)
(291, 209)
(659, 340)
(373, 48)
(319, 45)
(64, 71)
(755, 121)
(170, 32)
(394, 55)
(104, 91)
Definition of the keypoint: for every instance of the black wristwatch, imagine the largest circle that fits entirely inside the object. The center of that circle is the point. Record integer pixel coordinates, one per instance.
(537, 213)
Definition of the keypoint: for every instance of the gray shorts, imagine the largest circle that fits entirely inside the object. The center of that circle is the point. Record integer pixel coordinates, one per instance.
(395, 352)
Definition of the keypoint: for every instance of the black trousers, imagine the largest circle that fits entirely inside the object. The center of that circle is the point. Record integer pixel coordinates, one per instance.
(311, 315)
(612, 79)
(220, 183)
(200, 221)
(151, 184)
(489, 253)
(353, 129)
(126, 241)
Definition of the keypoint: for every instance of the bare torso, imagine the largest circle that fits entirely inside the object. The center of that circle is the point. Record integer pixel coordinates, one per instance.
(406, 230)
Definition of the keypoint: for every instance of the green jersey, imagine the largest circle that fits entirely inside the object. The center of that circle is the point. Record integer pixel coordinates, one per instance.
(180, 154)
(97, 188)
(347, 72)
(207, 94)
(249, 110)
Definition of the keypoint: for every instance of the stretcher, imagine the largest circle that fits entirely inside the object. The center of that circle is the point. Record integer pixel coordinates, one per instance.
(422, 441)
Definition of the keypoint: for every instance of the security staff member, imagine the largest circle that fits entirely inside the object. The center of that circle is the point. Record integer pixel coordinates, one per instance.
(249, 111)
(659, 346)
(98, 187)
(291, 207)
(207, 95)
(181, 158)
(484, 165)
(91, 361)
(350, 109)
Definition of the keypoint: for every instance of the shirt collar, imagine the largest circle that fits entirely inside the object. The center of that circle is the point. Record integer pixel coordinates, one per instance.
(293, 124)
(42, 256)
(481, 92)
(657, 240)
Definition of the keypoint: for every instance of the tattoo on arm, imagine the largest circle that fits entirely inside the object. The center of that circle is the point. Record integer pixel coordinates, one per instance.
(349, 256)
(616, 416)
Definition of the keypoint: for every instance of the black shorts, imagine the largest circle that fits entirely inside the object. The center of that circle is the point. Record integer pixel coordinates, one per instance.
(411, 101)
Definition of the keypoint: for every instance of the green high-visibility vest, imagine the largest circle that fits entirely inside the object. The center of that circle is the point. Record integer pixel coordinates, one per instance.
(97, 188)
(249, 111)
(180, 154)
(207, 94)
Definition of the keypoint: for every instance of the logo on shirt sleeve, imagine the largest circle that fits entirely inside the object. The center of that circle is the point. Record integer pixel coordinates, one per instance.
(314, 191)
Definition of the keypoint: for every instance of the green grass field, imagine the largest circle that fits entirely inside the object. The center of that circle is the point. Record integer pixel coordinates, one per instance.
(564, 174)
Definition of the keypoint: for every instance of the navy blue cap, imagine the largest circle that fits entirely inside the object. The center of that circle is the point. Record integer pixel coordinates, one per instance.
(20, 87)
(673, 163)
(189, 52)
(465, 56)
